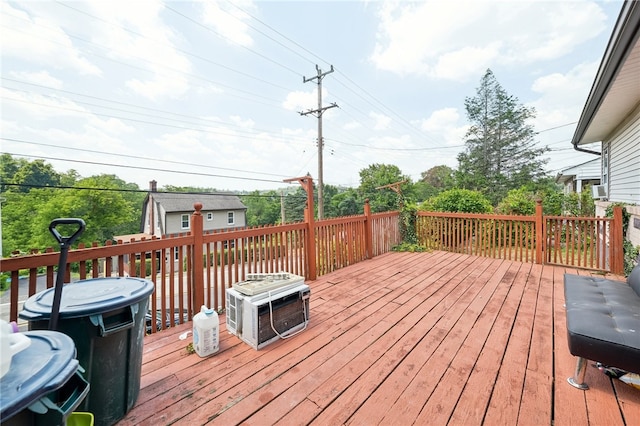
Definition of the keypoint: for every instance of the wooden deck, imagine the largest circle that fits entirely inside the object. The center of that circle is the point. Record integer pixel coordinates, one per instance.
(406, 338)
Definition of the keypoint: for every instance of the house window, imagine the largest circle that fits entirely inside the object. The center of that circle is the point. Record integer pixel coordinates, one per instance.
(210, 216)
(184, 221)
(230, 218)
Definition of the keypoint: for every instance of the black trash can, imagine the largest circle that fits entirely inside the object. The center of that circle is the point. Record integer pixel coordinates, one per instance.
(105, 317)
(43, 385)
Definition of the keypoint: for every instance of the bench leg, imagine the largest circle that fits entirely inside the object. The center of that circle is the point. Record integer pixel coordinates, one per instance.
(577, 381)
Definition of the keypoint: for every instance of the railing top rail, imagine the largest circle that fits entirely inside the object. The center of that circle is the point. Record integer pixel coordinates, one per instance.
(214, 237)
(584, 218)
(89, 253)
(340, 220)
(384, 214)
(483, 216)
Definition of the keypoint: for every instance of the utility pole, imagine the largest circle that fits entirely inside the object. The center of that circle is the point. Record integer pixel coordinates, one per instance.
(318, 113)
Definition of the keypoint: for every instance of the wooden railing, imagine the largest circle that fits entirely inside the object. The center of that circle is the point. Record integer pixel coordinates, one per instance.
(498, 236)
(583, 242)
(196, 268)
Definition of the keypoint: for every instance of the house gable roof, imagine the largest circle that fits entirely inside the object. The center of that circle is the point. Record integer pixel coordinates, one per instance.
(584, 171)
(178, 202)
(615, 93)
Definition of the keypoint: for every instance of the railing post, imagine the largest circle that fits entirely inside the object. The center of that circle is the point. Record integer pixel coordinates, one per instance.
(198, 262)
(617, 237)
(310, 242)
(311, 231)
(540, 237)
(368, 230)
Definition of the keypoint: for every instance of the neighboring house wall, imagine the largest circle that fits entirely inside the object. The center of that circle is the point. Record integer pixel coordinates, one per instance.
(167, 214)
(623, 172)
(219, 221)
(575, 179)
(624, 163)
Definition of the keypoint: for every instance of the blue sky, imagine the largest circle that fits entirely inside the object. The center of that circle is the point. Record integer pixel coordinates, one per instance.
(208, 94)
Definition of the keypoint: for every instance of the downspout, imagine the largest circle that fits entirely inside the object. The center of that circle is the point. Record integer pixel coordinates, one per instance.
(588, 151)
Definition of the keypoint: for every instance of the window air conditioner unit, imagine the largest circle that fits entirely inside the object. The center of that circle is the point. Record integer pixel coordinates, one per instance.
(276, 307)
(599, 191)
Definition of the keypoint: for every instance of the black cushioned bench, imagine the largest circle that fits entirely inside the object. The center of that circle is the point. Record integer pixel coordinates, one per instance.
(603, 322)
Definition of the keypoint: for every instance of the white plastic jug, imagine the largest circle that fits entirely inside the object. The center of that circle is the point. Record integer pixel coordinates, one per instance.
(205, 332)
(10, 344)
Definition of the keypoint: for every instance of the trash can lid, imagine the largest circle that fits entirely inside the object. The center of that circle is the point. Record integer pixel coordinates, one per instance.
(45, 366)
(88, 297)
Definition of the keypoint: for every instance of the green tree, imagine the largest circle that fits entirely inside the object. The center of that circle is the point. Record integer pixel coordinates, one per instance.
(34, 174)
(8, 169)
(346, 203)
(262, 208)
(19, 210)
(500, 152)
(519, 201)
(458, 200)
(294, 205)
(108, 210)
(441, 178)
(378, 175)
(329, 191)
(433, 181)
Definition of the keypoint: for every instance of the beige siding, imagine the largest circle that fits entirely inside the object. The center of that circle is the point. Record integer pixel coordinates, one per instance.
(219, 221)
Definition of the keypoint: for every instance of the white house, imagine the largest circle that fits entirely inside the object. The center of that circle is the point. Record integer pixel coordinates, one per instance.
(611, 116)
(167, 214)
(577, 178)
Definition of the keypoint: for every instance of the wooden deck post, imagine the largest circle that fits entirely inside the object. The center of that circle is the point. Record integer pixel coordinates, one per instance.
(310, 241)
(540, 238)
(198, 262)
(617, 241)
(368, 230)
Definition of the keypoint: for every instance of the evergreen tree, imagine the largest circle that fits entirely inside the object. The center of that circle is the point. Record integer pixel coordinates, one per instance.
(501, 152)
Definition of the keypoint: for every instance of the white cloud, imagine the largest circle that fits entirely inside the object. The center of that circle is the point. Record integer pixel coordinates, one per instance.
(42, 78)
(562, 96)
(41, 41)
(179, 142)
(299, 100)
(381, 121)
(139, 37)
(41, 107)
(229, 21)
(240, 122)
(453, 40)
(447, 124)
(109, 125)
(352, 125)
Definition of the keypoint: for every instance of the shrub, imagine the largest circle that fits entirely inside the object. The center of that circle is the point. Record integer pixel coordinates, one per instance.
(518, 201)
(458, 200)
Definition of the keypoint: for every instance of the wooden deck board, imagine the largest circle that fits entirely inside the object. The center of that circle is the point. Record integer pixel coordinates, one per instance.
(404, 338)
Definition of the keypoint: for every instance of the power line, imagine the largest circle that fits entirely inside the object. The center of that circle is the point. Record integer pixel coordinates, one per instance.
(137, 157)
(226, 38)
(145, 191)
(142, 168)
(174, 47)
(250, 133)
(178, 71)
